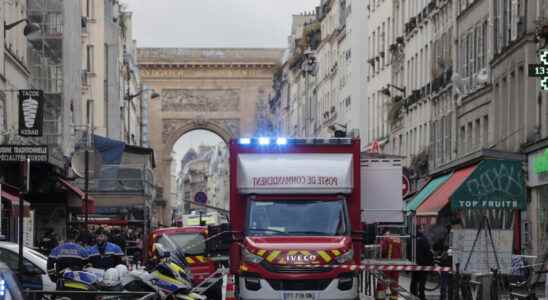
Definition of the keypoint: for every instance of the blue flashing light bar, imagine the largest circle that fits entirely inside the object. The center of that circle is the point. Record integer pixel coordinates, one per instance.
(281, 141)
(2, 288)
(245, 141)
(264, 141)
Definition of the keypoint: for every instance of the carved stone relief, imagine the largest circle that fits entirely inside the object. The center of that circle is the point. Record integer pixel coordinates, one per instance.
(229, 126)
(186, 100)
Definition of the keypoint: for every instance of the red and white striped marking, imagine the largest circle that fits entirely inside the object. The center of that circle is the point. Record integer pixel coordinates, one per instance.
(383, 267)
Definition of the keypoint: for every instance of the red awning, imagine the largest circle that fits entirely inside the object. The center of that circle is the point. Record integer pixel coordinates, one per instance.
(440, 198)
(81, 194)
(11, 194)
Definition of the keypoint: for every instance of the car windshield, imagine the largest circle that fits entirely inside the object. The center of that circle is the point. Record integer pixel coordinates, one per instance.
(189, 243)
(319, 218)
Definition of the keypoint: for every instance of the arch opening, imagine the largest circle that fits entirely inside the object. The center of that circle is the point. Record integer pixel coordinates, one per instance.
(199, 173)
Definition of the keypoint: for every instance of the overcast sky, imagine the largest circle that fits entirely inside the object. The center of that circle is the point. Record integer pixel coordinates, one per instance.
(215, 23)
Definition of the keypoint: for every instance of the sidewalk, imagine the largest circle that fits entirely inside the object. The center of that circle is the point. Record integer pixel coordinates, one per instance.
(405, 282)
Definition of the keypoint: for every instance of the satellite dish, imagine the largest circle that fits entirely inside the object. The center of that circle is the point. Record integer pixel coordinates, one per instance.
(78, 163)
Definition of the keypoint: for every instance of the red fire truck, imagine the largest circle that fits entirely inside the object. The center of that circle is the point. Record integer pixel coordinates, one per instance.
(295, 217)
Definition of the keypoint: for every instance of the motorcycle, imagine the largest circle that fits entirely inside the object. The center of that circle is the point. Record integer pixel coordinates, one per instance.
(169, 277)
(92, 279)
(77, 281)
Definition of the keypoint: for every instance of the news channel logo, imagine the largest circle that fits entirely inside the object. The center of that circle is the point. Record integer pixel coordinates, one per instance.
(541, 70)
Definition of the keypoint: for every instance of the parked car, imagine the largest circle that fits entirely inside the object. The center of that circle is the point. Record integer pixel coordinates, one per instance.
(9, 284)
(35, 274)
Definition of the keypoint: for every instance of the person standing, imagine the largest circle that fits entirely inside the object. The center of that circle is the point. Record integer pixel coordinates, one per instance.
(104, 254)
(48, 241)
(67, 255)
(391, 250)
(424, 258)
(442, 247)
(119, 239)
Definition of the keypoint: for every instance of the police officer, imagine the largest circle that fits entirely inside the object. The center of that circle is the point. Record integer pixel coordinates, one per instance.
(104, 255)
(48, 241)
(67, 255)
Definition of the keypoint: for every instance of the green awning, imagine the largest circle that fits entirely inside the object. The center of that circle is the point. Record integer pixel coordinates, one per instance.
(494, 184)
(426, 191)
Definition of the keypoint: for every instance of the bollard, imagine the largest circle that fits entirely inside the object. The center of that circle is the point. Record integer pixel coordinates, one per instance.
(230, 288)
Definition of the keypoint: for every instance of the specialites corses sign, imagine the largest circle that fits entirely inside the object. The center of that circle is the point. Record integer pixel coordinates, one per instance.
(20, 153)
(31, 112)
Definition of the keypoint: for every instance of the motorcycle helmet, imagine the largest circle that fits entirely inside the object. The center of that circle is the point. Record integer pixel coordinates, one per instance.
(122, 270)
(111, 278)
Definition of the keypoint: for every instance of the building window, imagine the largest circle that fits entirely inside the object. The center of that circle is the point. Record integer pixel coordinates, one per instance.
(486, 130)
(90, 111)
(448, 128)
(462, 139)
(477, 132)
(90, 9)
(89, 58)
(3, 113)
(469, 139)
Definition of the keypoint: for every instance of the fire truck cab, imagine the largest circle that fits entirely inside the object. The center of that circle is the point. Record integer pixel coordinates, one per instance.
(295, 218)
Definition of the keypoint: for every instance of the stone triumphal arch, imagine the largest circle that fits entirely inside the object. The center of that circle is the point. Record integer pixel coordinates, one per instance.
(212, 89)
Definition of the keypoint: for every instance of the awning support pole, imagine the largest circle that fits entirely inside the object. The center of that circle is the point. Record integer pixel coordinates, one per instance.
(21, 219)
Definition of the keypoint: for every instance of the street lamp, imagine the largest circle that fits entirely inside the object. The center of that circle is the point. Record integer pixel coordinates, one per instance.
(152, 96)
(130, 97)
(386, 90)
(309, 68)
(338, 132)
(29, 28)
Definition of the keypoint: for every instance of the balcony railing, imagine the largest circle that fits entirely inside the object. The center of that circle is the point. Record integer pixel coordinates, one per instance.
(122, 179)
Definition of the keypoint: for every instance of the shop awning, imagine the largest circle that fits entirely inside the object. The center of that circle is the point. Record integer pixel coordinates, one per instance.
(426, 191)
(10, 193)
(494, 184)
(440, 198)
(76, 190)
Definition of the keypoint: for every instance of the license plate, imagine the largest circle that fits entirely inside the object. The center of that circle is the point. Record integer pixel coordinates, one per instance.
(299, 296)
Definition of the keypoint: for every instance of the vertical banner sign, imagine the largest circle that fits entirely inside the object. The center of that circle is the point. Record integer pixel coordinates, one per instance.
(31, 112)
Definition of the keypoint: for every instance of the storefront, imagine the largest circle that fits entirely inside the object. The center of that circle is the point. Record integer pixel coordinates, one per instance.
(10, 212)
(538, 207)
(491, 188)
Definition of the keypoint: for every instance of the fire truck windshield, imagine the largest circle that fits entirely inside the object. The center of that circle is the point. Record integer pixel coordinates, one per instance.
(189, 243)
(296, 217)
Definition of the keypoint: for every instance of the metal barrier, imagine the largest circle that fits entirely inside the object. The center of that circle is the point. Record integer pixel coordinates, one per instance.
(367, 284)
(37, 295)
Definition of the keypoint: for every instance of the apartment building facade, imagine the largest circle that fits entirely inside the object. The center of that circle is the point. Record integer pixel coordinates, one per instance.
(319, 87)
